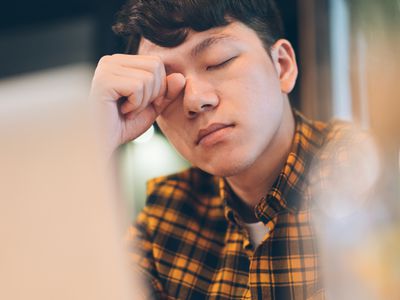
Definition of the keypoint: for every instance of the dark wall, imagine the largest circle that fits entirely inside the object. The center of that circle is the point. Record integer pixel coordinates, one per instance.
(42, 34)
(289, 11)
(22, 13)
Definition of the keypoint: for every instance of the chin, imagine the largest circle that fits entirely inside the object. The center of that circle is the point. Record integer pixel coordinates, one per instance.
(226, 167)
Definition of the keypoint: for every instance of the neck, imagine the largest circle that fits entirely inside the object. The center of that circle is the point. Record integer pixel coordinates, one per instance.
(255, 182)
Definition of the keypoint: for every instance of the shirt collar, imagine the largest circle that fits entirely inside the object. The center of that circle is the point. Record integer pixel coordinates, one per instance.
(290, 190)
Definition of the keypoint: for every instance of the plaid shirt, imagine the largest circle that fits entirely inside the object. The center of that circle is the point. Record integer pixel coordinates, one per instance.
(193, 244)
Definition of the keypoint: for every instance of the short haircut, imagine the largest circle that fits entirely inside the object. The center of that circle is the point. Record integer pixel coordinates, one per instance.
(166, 22)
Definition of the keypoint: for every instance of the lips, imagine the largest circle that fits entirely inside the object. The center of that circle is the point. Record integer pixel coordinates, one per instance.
(203, 133)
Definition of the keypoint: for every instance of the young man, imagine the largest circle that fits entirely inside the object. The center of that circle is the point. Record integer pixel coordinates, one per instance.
(216, 75)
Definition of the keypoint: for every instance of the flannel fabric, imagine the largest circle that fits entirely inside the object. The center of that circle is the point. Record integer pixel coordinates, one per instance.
(191, 244)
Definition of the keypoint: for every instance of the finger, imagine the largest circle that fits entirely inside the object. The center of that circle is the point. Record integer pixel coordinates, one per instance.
(113, 87)
(156, 80)
(152, 64)
(175, 85)
(143, 62)
(140, 100)
(128, 65)
(136, 124)
(140, 122)
(135, 98)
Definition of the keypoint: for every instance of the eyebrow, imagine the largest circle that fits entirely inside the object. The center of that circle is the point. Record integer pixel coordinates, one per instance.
(207, 43)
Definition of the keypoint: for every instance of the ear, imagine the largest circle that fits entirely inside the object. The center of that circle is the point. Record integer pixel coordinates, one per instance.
(284, 60)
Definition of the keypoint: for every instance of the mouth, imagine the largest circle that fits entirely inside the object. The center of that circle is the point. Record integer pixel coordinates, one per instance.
(212, 133)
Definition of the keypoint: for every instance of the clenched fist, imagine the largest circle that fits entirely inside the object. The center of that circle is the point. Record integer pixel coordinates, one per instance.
(130, 92)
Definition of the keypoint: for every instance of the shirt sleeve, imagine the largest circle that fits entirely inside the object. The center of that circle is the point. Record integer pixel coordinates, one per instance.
(142, 259)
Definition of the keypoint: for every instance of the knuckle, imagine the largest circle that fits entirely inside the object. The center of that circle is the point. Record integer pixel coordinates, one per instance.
(116, 55)
(157, 64)
(139, 88)
(133, 103)
(154, 68)
(157, 59)
(100, 77)
(104, 60)
(149, 78)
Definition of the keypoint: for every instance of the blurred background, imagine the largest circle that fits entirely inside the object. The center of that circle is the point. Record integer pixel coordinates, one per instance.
(348, 53)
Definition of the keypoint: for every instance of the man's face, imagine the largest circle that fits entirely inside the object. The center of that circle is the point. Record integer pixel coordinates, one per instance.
(232, 105)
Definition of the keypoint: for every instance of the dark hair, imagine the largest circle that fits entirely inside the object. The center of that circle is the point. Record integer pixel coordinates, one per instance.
(166, 22)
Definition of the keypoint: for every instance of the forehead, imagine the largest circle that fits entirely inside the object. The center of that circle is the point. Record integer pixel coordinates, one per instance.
(196, 42)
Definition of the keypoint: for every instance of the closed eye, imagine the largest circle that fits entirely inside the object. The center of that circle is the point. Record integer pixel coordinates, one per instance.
(221, 65)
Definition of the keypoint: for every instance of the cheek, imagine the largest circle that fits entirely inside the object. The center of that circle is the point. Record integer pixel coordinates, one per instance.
(176, 132)
(172, 110)
(255, 90)
(256, 77)
(171, 119)
(168, 127)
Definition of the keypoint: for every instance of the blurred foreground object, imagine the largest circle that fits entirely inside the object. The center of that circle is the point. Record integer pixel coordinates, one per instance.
(358, 236)
(350, 64)
(61, 226)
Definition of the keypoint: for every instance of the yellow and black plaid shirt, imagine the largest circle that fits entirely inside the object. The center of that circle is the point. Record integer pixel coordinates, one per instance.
(193, 245)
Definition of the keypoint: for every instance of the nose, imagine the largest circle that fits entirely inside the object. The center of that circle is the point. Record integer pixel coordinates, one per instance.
(199, 96)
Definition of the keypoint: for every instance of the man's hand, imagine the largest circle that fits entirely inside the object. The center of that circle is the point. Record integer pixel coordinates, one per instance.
(130, 92)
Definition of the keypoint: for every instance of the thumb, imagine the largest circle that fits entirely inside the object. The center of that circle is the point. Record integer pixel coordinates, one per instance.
(175, 85)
